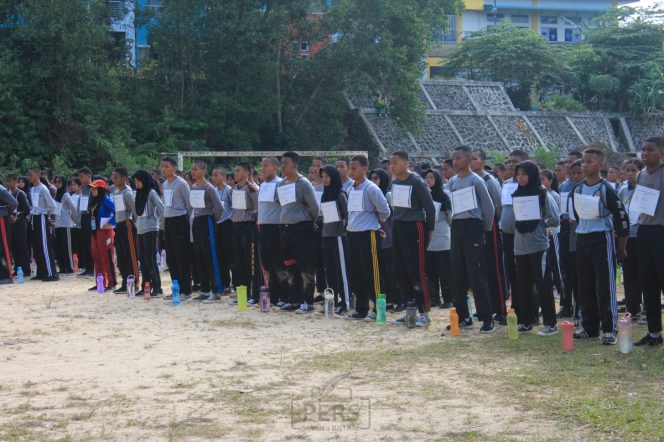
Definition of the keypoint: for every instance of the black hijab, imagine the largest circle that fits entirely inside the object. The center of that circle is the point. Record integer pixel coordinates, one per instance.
(534, 187)
(143, 193)
(383, 180)
(331, 192)
(59, 193)
(437, 192)
(97, 201)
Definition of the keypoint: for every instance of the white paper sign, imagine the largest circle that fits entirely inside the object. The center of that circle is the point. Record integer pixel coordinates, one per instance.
(401, 195)
(34, 196)
(564, 202)
(355, 200)
(197, 199)
(319, 197)
(437, 206)
(586, 206)
(83, 203)
(75, 200)
(464, 200)
(508, 190)
(645, 200)
(286, 194)
(526, 208)
(58, 209)
(266, 192)
(633, 215)
(168, 197)
(239, 199)
(330, 212)
(103, 223)
(118, 201)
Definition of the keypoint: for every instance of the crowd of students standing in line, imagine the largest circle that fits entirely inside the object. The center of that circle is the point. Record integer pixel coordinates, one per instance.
(415, 233)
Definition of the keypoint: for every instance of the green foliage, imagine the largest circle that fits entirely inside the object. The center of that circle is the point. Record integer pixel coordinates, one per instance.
(646, 95)
(563, 103)
(547, 156)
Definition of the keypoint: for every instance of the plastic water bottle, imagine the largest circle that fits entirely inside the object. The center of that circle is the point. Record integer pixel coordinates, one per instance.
(74, 258)
(265, 300)
(33, 267)
(19, 275)
(147, 292)
(470, 306)
(625, 334)
(162, 259)
(100, 284)
(411, 313)
(242, 298)
(568, 336)
(512, 330)
(454, 322)
(131, 287)
(328, 294)
(175, 292)
(381, 309)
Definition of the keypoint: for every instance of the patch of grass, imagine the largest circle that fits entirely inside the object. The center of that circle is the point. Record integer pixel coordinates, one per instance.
(84, 415)
(232, 323)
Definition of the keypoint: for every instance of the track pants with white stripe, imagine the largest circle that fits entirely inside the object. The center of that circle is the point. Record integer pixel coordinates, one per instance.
(334, 258)
(408, 247)
(63, 249)
(126, 251)
(42, 245)
(595, 266)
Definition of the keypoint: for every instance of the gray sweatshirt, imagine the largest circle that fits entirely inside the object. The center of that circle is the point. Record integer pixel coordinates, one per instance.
(495, 192)
(42, 201)
(269, 212)
(421, 204)
(538, 240)
(67, 216)
(484, 210)
(179, 198)
(7, 202)
(130, 206)
(212, 201)
(225, 198)
(251, 201)
(305, 206)
(150, 220)
(507, 213)
(337, 228)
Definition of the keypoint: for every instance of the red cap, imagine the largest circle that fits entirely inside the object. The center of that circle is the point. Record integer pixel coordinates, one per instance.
(99, 183)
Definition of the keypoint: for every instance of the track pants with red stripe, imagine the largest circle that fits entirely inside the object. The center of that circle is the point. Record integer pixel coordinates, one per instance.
(102, 255)
(408, 248)
(126, 250)
(5, 258)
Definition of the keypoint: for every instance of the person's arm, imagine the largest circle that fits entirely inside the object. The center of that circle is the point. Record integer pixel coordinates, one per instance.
(620, 220)
(7, 198)
(493, 186)
(130, 204)
(423, 194)
(68, 204)
(551, 212)
(109, 207)
(309, 197)
(217, 208)
(157, 203)
(342, 202)
(184, 192)
(50, 202)
(379, 202)
(485, 203)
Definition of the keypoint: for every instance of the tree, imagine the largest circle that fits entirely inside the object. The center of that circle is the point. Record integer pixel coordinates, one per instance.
(518, 57)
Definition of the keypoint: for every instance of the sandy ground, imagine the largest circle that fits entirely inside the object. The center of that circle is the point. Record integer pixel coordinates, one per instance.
(78, 366)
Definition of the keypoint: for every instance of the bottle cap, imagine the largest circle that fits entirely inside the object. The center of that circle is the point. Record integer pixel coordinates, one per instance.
(510, 310)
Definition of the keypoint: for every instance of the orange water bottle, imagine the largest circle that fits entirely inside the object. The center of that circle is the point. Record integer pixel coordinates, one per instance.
(454, 322)
(568, 336)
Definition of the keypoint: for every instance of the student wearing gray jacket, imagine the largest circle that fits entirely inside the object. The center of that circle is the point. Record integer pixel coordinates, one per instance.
(65, 218)
(43, 205)
(8, 205)
(150, 211)
(126, 242)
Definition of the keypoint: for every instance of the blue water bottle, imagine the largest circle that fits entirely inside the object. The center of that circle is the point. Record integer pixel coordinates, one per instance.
(175, 292)
(19, 275)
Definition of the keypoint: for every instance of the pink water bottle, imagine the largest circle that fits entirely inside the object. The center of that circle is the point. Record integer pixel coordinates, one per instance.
(568, 336)
(265, 300)
(147, 292)
(74, 258)
(100, 284)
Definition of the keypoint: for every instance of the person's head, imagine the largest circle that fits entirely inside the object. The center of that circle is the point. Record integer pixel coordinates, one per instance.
(527, 175)
(169, 167)
(575, 173)
(433, 178)
(316, 164)
(549, 180)
(98, 189)
(632, 167)
(74, 186)
(219, 177)
(155, 175)
(592, 162)
(385, 165)
(60, 182)
(358, 168)
(342, 167)
(613, 174)
(23, 182)
(230, 179)
(330, 176)
(399, 163)
(12, 182)
(515, 157)
(572, 157)
(461, 158)
(477, 160)
(380, 178)
(652, 152)
(189, 179)
(119, 176)
(142, 179)
(242, 172)
(269, 168)
(447, 169)
(85, 175)
(500, 170)
(198, 171)
(34, 175)
(289, 163)
(560, 171)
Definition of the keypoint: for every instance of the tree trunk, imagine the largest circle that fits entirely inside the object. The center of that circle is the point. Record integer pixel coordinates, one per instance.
(278, 84)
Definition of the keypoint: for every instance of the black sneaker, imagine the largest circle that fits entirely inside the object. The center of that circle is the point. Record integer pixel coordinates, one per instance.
(649, 341)
(289, 307)
(341, 312)
(93, 288)
(522, 328)
(609, 339)
(389, 306)
(356, 316)
(87, 274)
(195, 288)
(319, 298)
(565, 313)
(500, 319)
(466, 324)
(400, 308)
(52, 279)
(122, 290)
(622, 302)
(582, 334)
(202, 297)
(280, 304)
(488, 327)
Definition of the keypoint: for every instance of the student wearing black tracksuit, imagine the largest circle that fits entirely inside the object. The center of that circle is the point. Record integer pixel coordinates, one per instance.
(85, 257)
(18, 227)
(43, 205)
(472, 216)
(223, 232)
(8, 205)
(414, 221)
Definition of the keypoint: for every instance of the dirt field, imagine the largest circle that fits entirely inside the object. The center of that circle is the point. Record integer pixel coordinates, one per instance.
(79, 366)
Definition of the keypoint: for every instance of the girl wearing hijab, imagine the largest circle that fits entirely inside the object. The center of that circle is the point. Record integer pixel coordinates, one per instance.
(438, 252)
(334, 206)
(65, 217)
(386, 268)
(150, 211)
(550, 183)
(102, 211)
(534, 211)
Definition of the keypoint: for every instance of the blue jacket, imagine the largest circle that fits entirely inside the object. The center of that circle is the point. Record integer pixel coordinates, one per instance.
(107, 210)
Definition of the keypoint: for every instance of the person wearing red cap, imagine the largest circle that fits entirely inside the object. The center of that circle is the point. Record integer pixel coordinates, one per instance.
(102, 211)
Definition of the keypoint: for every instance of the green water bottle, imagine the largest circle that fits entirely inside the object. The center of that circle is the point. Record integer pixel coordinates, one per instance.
(242, 298)
(381, 306)
(512, 331)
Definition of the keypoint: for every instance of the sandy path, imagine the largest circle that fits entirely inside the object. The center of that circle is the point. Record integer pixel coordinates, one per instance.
(86, 367)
